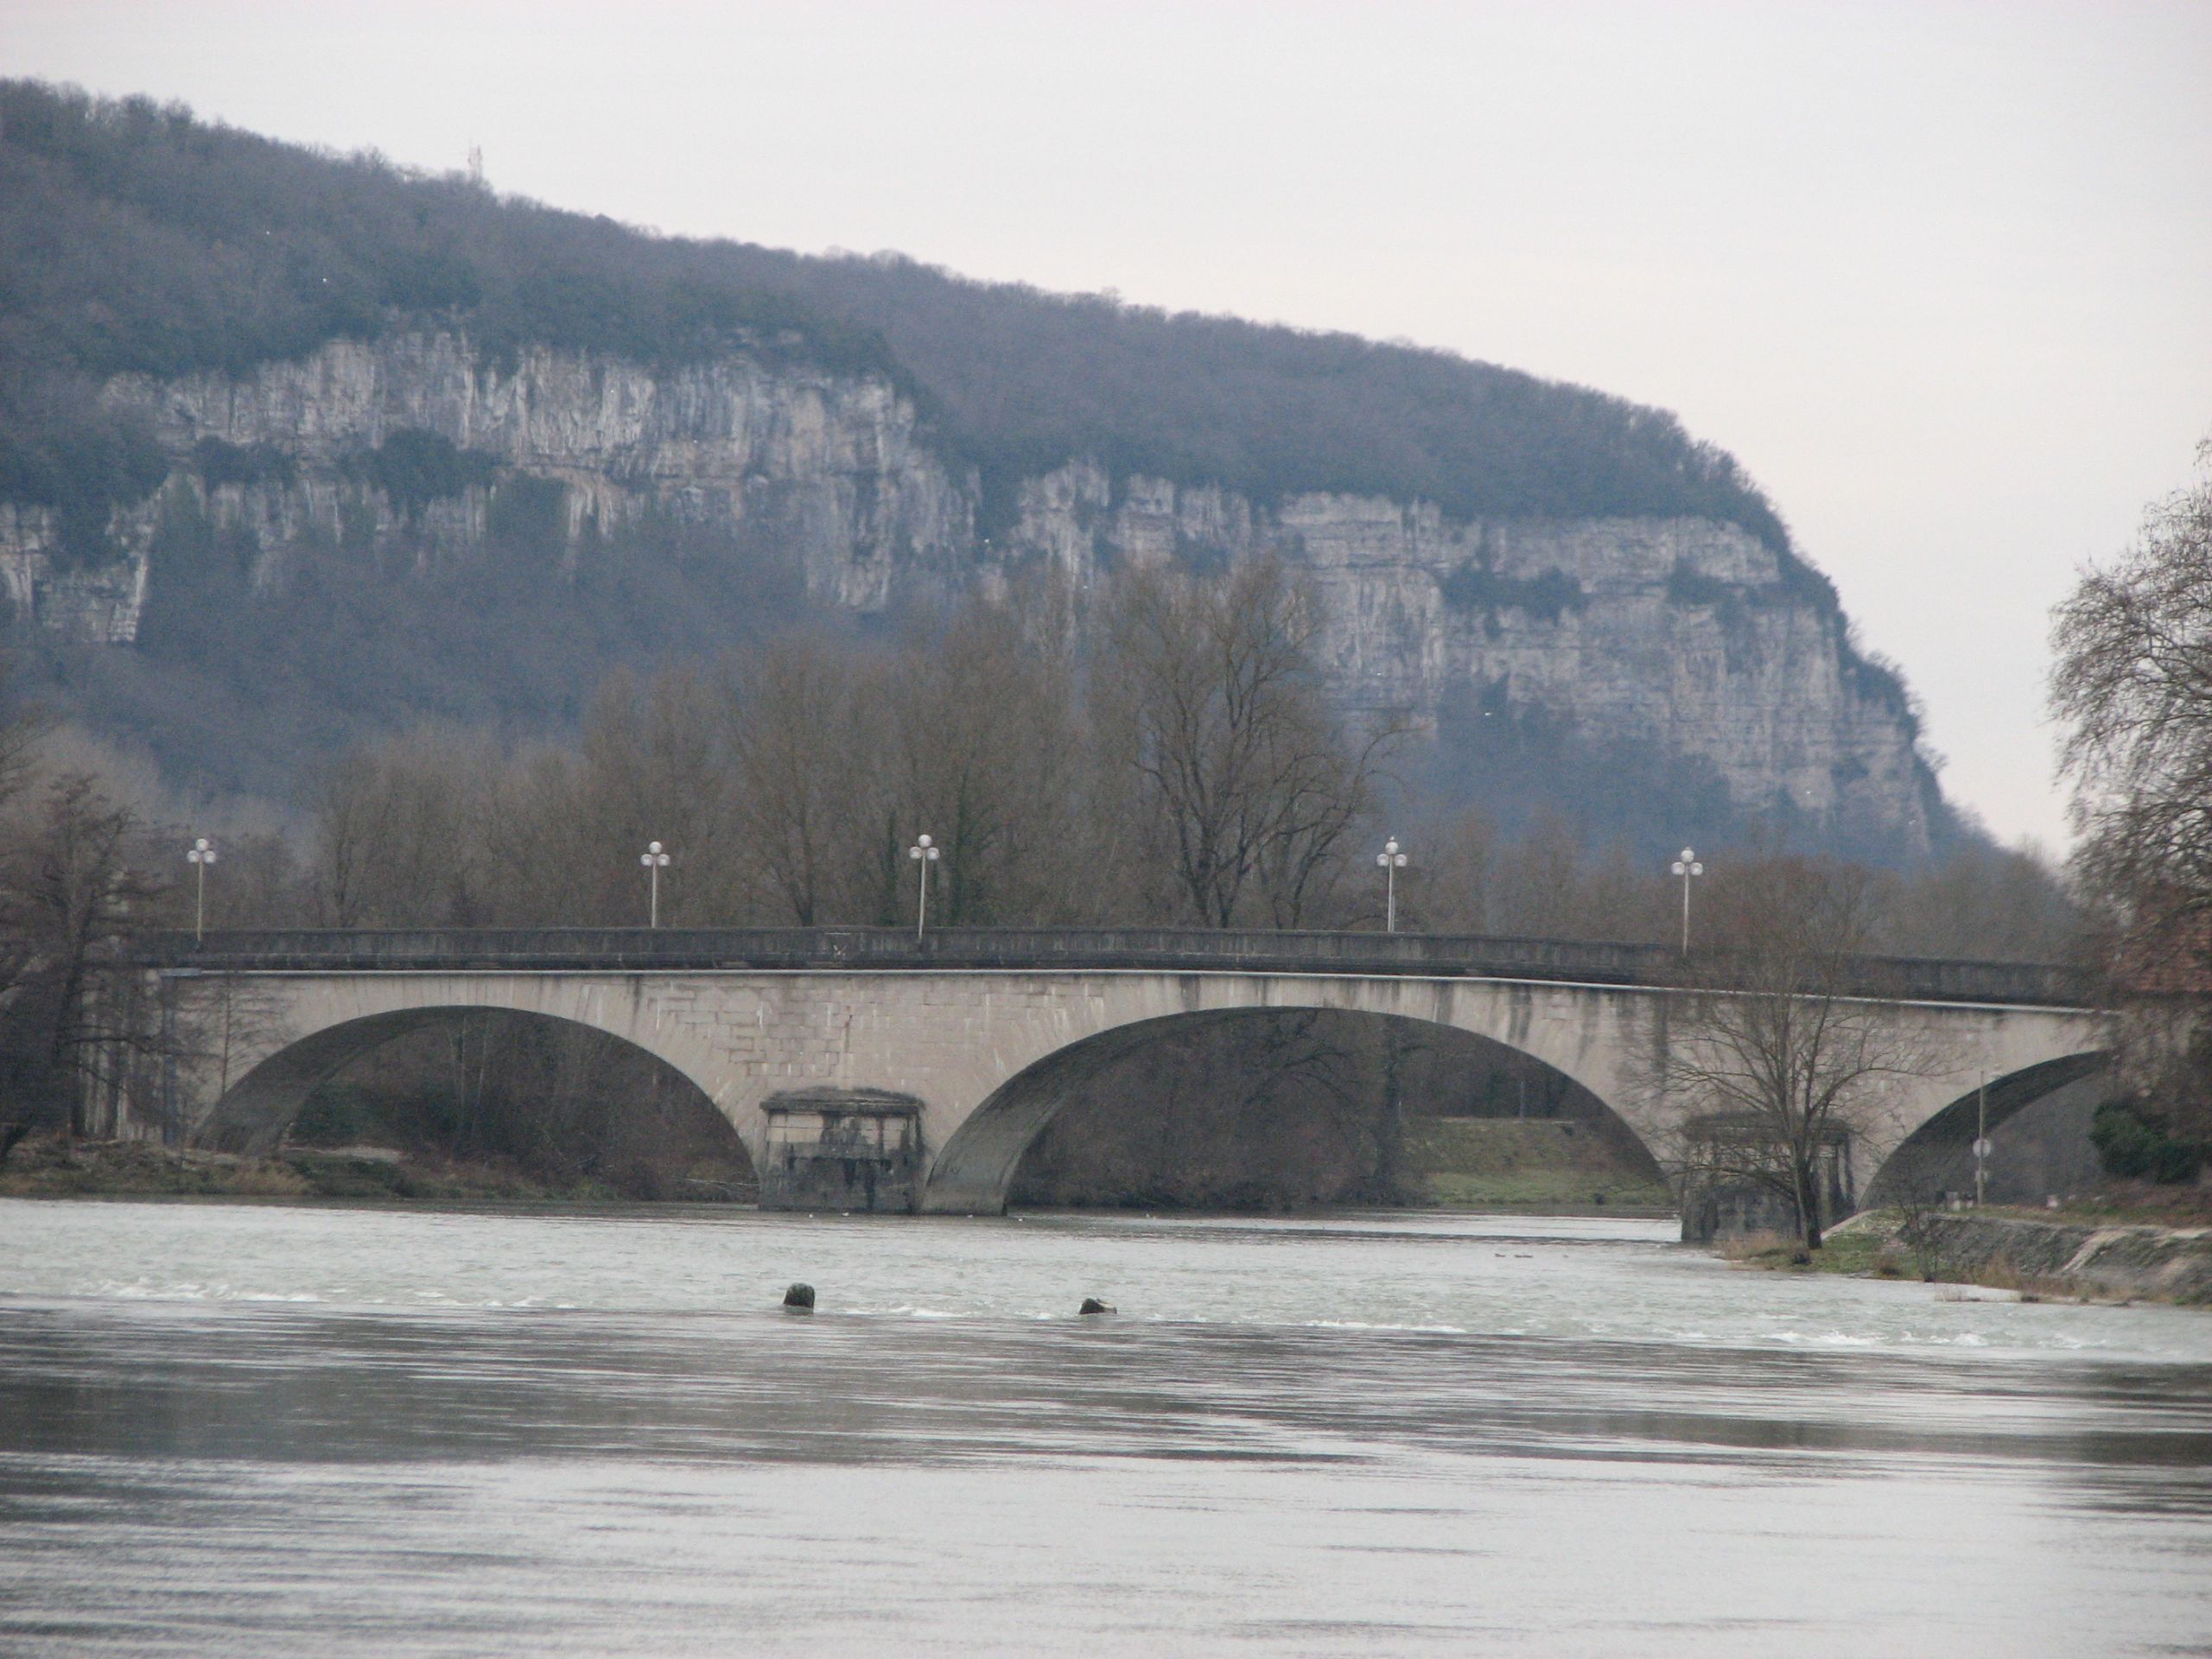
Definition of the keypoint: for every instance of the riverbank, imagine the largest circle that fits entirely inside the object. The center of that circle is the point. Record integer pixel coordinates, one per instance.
(1547, 1166)
(53, 1167)
(1511, 1173)
(2082, 1258)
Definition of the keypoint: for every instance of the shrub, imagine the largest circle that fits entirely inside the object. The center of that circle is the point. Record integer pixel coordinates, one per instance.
(221, 463)
(2138, 1144)
(415, 467)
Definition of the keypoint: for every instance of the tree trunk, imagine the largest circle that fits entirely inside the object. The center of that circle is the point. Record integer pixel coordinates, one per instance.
(1809, 1202)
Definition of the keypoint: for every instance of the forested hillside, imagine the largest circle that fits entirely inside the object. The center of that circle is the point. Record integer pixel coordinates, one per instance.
(134, 237)
(299, 450)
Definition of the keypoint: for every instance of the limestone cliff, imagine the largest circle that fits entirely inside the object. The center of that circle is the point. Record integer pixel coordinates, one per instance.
(1688, 636)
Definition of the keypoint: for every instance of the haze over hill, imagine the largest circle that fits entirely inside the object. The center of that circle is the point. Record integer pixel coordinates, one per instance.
(294, 449)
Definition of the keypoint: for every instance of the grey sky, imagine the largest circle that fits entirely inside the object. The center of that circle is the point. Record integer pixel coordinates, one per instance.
(1940, 275)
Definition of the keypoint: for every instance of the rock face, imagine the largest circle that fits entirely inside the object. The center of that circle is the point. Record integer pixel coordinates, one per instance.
(1690, 637)
(1686, 635)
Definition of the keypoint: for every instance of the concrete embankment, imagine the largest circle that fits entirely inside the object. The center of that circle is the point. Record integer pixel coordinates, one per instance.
(2164, 1264)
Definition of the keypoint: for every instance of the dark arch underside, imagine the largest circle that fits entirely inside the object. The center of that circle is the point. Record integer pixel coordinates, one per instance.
(254, 1114)
(1938, 1156)
(975, 1172)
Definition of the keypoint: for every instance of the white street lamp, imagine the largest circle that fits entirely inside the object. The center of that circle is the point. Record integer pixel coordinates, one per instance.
(1392, 861)
(655, 861)
(202, 854)
(925, 855)
(1687, 867)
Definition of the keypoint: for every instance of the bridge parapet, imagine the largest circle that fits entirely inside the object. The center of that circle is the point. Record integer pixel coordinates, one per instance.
(1169, 950)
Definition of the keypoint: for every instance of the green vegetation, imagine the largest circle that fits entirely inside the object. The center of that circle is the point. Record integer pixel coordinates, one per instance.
(1481, 1163)
(219, 463)
(416, 467)
(2137, 1143)
(1861, 1255)
(61, 449)
(1477, 587)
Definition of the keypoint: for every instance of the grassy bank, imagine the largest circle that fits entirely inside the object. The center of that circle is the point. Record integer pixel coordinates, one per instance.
(1860, 1255)
(52, 1167)
(1539, 1164)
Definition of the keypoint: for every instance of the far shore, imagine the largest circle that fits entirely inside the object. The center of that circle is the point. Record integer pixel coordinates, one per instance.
(55, 1167)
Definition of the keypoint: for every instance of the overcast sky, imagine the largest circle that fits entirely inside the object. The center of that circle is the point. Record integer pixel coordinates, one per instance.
(1940, 275)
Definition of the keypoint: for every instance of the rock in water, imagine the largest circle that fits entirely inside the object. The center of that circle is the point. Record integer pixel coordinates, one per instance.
(799, 1298)
(1092, 1305)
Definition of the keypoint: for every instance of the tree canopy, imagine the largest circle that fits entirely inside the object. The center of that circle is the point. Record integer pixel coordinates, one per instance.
(2133, 682)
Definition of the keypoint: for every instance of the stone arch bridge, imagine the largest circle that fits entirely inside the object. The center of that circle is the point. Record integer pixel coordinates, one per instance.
(973, 1038)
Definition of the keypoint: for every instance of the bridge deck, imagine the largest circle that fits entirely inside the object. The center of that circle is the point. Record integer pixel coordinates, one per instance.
(737, 949)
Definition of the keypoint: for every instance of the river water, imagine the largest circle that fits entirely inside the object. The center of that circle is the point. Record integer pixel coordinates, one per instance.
(243, 1429)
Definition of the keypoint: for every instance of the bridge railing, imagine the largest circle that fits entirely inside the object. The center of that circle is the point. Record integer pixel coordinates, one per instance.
(555, 949)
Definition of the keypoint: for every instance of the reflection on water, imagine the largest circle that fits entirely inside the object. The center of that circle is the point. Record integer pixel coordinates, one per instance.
(229, 1428)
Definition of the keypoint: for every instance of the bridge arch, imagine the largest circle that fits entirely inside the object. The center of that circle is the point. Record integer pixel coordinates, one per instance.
(974, 1170)
(1937, 1157)
(252, 1113)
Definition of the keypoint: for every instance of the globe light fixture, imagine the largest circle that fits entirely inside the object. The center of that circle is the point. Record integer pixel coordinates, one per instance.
(655, 861)
(1392, 860)
(201, 855)
(1688, 867)
(925, 855)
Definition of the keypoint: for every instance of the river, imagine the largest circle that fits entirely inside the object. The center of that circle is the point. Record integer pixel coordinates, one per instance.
(241, 1429)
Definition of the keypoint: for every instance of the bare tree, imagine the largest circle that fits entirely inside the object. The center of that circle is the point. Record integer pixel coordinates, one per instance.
(840, 754)
(545, 852)
(793, 735)
(1777, 1053)
(1913, 1187)
(654, 766)
(987, 755)
(69, 1010)
(1996, 904)
(399, 832)
(1213, 692)
(2133, 681)
(345, 805)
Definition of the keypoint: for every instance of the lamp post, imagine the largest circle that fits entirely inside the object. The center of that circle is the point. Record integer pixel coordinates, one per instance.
(1392, 860)
(1982, 1142)
(655, 861)
(1687, 867)
(202, 853)
(924, 855)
